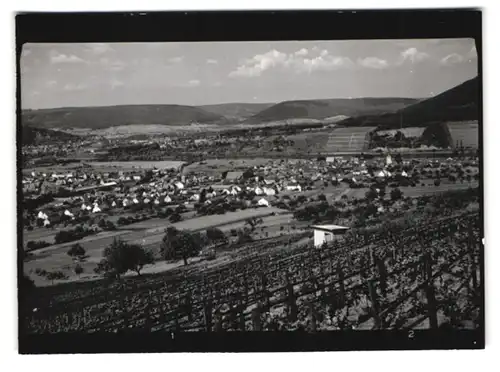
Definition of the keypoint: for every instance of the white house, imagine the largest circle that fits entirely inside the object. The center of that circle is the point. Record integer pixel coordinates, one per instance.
(269, 191)
(263, 202)
(167, 199)
(327, 233)
(293, 187)
(258, 191)
(96, 208)
(69, 214)
(388, 159)
(179, 185)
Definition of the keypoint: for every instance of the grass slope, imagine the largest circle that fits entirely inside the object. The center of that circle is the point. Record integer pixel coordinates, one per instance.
(111, 116)
(326, 108)
(456, 104)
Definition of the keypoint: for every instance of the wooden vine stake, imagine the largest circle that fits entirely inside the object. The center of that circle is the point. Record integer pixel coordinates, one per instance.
(208, 315)
(256, 323)
(149, 323)
(341, 287)
(265, 294)
(218, 321)
(291, 300)
(375, 306)
(431, 299)
(312, 317)
(188, 306)
(383, 276)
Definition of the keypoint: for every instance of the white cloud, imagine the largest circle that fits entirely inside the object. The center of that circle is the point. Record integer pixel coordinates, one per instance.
(112, 64)
(116, 83)
(193, 83)
(413, 55)
(212, 61)
(452, 59)
(296, 62)
(99, 48)
(176, 59)
(472, 53)
(74, 87)
(57, 58)
(302, 52)
(373, 62)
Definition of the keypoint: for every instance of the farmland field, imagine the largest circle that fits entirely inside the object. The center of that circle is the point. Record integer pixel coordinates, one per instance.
(164, 164)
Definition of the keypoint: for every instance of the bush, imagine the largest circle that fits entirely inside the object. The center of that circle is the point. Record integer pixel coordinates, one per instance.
(77, 233)
(122, 221)
(175, 217)
(78, 269)
(396, 194)
(76, 250)
(55, 275)
(32, 245)
(437, 182)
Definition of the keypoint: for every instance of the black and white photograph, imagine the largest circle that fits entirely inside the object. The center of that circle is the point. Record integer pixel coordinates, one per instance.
(275, 190)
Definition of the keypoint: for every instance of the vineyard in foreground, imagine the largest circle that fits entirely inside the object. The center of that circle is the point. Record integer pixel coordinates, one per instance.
(424, 276)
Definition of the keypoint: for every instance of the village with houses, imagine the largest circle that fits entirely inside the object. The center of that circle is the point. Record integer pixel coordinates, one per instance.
(333, 222)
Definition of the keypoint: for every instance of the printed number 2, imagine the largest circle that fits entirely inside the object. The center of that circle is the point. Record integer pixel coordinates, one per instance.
(411, 334)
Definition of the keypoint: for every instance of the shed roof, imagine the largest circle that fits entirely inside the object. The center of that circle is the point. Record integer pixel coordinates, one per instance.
(329, 228)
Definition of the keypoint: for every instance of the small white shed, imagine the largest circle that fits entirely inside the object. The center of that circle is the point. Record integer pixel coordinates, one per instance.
(327, 233)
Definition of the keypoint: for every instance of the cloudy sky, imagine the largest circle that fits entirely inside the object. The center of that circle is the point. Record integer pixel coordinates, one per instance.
(62, 75)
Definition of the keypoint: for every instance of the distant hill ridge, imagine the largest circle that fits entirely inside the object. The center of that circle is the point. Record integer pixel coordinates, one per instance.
(236, 110)
(31, 136)
(110, 116)
(460, 103)
(327, 108)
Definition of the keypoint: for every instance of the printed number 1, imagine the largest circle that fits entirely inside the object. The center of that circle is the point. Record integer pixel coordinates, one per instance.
(172, 334)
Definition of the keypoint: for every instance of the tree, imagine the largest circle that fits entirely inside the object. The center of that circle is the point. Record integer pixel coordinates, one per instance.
(120, 257)
(437, 182)
(102, 223)
(114, 263)
(370, 194)
(78, 269)
(175, 217)
(321, 197)
(252, 222)
(178, 243)
(396, 194)
(76, 250)
(216, 235)
(138, 257)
